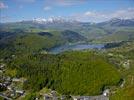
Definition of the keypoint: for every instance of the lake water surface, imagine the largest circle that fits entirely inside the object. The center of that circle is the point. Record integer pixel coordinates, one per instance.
(63, 48)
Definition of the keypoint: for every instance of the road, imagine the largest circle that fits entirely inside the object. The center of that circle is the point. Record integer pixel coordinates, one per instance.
(5, 97)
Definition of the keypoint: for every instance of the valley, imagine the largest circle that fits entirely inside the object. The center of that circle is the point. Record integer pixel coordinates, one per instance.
(75, 62)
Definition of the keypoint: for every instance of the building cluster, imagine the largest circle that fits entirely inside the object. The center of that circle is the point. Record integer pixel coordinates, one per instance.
(10, 85)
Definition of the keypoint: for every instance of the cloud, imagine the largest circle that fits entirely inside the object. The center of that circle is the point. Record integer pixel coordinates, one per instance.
(70, 2)
(64, 2)
(5, 18)
(126, 14)
(103, 16)
(3, 6)
(26, 1)
(47, 8)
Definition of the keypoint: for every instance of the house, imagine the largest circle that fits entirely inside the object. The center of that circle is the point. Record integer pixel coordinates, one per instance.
(126, 64)
(98, 97)
(44, 52)
(48, 97)
(21, 92)
(81, 97)
(8, 79)
(62, 97)
(122, 85)
(75, 98)
(1, 71)
(53, 93)
(13, 56)
(9, 88)
(2, 66)
(110, 54)
(2, 86)
(16, 80)
(19, 80)
(106, 92)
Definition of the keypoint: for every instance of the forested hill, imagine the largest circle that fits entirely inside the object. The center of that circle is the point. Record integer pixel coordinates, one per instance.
(77, 73)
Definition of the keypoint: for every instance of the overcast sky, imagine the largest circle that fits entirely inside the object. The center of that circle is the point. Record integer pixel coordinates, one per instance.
(81, 10)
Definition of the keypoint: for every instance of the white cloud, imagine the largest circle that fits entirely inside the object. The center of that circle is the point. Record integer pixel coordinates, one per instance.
(5, 18)
(126, 14)
(69, 2)
(3, 6)
(26, 1)
(103, 16)
(89, 13)
(64, 2)
(47, 8)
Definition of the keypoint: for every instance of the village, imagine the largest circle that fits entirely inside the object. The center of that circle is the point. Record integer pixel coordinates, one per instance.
(12, 88)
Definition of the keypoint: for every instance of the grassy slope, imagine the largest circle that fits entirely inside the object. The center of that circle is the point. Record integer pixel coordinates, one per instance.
(127, 92)
(86, 73)
(92, 32)
(34, 41)
(118, 35)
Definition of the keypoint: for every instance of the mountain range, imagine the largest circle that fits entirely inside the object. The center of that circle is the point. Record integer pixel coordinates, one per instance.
(108, 31)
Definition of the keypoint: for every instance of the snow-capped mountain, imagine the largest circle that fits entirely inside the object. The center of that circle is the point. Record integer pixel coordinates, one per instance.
(52, 20)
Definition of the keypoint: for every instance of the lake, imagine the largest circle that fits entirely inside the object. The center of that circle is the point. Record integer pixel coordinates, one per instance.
(63, 48)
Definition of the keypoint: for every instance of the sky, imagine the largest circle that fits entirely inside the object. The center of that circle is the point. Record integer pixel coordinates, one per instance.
(80, 10)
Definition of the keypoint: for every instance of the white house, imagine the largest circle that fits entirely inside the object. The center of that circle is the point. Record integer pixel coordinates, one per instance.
(21, 92)
(106, 92)
(126, 64)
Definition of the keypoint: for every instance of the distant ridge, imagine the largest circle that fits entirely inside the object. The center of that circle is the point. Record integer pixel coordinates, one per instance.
(118, 22)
